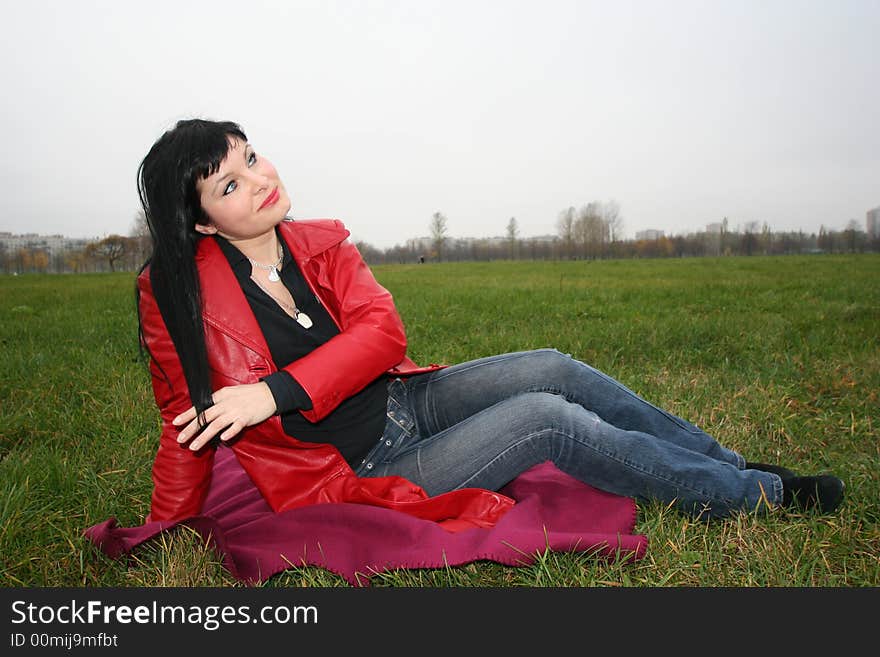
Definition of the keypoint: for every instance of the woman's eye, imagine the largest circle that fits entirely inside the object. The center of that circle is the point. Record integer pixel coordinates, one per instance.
(230, 187)
(252, 158)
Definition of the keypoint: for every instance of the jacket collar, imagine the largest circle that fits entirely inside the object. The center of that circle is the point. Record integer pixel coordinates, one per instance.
(224, 305)
(309, 238)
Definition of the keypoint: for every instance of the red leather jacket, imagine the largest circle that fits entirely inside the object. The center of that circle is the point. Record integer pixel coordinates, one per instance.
(290, 473)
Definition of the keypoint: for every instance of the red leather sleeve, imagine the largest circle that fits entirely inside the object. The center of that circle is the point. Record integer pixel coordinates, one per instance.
(372, 338)
(180, 476)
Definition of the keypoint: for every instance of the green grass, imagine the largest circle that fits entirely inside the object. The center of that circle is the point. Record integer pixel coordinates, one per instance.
(776, 357)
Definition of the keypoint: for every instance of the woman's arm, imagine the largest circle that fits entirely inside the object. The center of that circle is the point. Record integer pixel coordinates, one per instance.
(372, 338)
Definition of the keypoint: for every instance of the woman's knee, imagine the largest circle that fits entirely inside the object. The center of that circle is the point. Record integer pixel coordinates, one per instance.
(558, 372)
(550, 354)
(549, 423)
(550, 362)
(542, 410)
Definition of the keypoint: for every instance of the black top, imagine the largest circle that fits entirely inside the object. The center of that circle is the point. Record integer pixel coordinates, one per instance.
(359, 421)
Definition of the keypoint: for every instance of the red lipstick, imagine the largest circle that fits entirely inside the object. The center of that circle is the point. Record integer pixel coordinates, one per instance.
(271, 199)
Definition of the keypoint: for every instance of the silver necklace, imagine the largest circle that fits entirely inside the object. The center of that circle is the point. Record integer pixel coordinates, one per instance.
(272, 269)
(301, 318)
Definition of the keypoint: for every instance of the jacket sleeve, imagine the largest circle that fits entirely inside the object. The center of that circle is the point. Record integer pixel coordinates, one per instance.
(180, 476)
(372, 338)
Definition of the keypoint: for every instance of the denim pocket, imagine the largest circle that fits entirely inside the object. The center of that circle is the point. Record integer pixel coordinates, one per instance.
(399, 429)
(399, 422)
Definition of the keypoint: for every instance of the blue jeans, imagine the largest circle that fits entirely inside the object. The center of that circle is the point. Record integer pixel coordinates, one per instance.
(483, 422)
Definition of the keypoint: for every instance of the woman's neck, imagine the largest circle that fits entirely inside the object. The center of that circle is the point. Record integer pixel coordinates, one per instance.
(263, 248)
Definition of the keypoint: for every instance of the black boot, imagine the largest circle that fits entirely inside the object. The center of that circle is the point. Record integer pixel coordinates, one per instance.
(775, 469)
(822, 492)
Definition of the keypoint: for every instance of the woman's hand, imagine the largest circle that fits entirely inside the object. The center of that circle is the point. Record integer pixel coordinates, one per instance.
(235, 407)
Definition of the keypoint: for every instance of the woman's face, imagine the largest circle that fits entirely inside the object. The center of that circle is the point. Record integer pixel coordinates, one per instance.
(245, 197)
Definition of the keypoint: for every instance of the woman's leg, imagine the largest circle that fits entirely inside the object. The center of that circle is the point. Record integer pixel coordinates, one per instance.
(495, 444)
(446, 397)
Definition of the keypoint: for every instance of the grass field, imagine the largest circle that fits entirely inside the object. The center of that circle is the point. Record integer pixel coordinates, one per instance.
(779, 358)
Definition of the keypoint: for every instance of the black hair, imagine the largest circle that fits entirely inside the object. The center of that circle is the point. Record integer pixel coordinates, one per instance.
(166, 182)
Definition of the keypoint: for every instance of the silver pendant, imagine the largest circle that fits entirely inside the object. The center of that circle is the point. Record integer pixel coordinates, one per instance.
(273, 275)
(304, 320)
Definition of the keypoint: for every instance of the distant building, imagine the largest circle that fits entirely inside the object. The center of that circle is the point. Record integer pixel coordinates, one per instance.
(495, 240)
(715, 228)
(649, 234)
(51, 244)
(872, 222)
(541, 239)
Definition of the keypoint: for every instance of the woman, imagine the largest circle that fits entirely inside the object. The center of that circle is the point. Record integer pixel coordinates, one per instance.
(271, 336)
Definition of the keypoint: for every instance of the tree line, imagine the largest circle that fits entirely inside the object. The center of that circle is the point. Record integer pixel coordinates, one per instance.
(590, 232)
(595, 230)
(112, 253)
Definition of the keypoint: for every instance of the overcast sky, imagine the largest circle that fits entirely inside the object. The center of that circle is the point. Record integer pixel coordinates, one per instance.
(382, 113)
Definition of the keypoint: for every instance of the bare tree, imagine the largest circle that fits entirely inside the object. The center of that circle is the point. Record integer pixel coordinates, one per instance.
(139, 226)
(75, 260)
(589, 229)
(512, 232)
(725, 236)
(851, 236)
(142, 240)
(749, 239)
(613, 220)
(370, 254)
(766, 239)
(825, 241)
(113, 248)
(438, 233)
(565, 229)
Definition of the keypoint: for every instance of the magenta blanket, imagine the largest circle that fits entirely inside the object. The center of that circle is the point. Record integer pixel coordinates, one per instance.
(356, 541)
